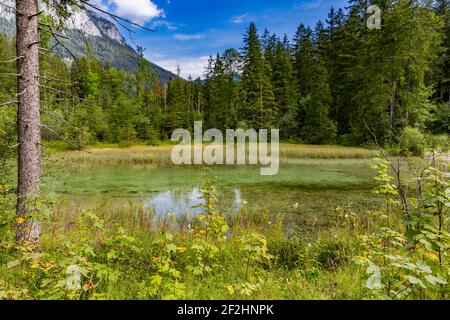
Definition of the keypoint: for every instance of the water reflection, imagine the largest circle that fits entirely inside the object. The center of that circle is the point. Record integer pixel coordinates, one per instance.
(181, 203)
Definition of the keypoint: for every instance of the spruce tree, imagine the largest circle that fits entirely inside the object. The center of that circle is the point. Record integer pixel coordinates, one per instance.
(314, 124)
(284, 86)
(258, 105)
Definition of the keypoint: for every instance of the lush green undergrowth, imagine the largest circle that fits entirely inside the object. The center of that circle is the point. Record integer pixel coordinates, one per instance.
(397, 252)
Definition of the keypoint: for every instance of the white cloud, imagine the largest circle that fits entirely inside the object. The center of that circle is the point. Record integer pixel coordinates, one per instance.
(138, 11)
(190, 66)
(239, 19)
(187, 37)
(164, 23)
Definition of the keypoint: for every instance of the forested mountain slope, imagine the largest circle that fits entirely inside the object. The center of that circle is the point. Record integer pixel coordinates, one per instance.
(86, 28)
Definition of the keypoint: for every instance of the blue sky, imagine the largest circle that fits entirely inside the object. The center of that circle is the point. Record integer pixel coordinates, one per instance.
(188, 31)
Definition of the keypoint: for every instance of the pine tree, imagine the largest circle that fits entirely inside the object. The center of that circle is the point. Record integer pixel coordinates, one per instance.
(258, 106)
(304, 56)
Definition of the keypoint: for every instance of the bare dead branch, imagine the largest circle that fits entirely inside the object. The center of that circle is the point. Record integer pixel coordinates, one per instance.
(35, 15)
(402, 189)
(56, 79)
(8, 103)
(67, 49)
(14, 146)
(58, 135)
(12, 60)
(10, 74)
(51, 31)
(76, 147)
(53, 131)
(21, 93)
(46, 50)
(33, 44)
(54, 46)
(55, 36)
(11, 8)
(71, 95)
(57, 117)
(44, 54)
(114, 17)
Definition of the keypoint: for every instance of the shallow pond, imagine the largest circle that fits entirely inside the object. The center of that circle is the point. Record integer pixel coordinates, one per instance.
(308, 190)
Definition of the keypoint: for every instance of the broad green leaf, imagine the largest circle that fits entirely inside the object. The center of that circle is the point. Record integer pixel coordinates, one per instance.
(171, 247)
(13, 264)
(414, 280)
(374, 280)
(434, 280)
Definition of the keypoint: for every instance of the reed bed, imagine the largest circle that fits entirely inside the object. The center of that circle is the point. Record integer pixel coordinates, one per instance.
(160, 155)
(294, 151)
(140, 155)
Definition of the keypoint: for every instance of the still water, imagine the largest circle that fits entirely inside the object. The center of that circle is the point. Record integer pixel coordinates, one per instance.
(305, 191)
(185, 203)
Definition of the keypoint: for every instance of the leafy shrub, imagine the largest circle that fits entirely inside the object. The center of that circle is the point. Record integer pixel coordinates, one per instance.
(412, 142)
(289, 253)
(333, 255)
(441, 141)
(253, 249)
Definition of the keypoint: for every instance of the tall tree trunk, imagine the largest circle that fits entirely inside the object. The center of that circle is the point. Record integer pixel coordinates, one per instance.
(28, 121)
(392, 102)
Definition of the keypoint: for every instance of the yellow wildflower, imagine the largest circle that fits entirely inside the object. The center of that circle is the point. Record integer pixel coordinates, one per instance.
(181, 249)
(20, 220)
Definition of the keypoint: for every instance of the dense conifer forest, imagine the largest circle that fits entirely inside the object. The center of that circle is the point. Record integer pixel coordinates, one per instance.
(335, 82)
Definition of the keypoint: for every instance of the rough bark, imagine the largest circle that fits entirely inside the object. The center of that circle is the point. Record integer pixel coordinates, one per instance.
(28, 121)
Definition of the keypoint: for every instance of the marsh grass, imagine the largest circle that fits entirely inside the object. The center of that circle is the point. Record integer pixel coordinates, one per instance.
(139, 155)
(161, 155)
(293, 151)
